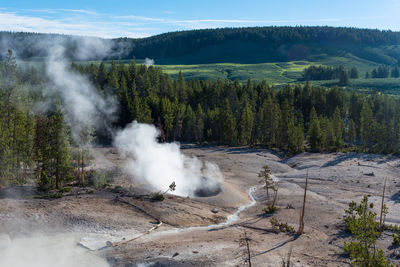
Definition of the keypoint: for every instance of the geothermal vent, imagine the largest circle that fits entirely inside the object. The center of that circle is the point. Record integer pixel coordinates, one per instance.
(209, 187)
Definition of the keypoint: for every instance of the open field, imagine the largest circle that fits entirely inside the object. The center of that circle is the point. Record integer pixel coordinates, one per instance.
(123, 211)
(279, 73)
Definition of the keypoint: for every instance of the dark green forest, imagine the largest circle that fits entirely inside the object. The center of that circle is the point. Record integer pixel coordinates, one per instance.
(36, 142)
(235, 45)
(293, 118)
(265, 44)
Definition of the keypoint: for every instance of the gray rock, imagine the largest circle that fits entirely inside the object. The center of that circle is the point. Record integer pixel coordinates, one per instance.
(214, 210)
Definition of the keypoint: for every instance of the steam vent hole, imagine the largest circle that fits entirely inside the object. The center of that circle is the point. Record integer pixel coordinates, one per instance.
(209, 188)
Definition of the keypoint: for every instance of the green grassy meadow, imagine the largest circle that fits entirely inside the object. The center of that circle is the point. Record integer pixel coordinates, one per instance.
(278, 73)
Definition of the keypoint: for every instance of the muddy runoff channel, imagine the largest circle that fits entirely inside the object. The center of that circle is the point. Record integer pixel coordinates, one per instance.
(99, 242)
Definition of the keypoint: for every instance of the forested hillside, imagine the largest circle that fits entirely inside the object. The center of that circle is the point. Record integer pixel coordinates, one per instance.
(237, 45)
(36, 141)
(254, 113)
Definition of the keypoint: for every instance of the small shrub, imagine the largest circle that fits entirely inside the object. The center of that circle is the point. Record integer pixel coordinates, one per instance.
(44, 181)
(102, 178)
(99, 179)
(89, 191)
(396, 240)
(50, 196)
(392, 228)
(65, 189)
(158, 197)
(281, 227)
(270, 209)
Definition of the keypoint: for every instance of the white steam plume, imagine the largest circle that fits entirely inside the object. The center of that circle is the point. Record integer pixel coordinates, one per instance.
(47, 251)
(160, 164)
(84, 107)
(149, 62)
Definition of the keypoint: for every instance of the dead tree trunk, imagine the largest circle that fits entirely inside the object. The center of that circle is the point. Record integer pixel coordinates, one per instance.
(382, 207)
(246, 239)
(301, 224)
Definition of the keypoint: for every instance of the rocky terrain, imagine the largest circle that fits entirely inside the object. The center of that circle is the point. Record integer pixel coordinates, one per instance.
(194, 231)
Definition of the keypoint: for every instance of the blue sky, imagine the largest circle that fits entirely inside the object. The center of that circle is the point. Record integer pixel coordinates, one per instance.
(132, 18)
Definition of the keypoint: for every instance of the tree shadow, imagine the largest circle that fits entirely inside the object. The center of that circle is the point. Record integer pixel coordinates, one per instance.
(277, 246)
(349, 156)
(396, 197)
(260, 229)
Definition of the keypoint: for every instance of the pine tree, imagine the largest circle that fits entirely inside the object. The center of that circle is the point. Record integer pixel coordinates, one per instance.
(199, 125)
(178, 121)
(366, 129)
(343, 78)
(395, 72)
(189, 122)
(102, 75)
(228, 122)
(338, 128)
(167, 116)
(61, 150)
(286, 125)
(181, 88)
(351, 132)
(354, 73)
(314, 131)
(245, 125)
(360, 222)
(374, 74)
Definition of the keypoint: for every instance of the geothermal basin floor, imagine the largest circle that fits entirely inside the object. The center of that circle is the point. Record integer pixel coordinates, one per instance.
(123, 211)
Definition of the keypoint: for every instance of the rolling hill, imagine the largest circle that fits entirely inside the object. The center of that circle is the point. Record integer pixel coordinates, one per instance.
(275, 54)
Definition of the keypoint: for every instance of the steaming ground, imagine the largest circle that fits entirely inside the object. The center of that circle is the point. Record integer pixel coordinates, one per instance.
(124, 210)
(158, 165)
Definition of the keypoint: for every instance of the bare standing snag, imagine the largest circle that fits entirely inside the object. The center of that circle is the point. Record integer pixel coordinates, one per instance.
(301, 224)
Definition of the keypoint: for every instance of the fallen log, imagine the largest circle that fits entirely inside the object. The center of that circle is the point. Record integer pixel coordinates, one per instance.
(142, 234)
(136, 237)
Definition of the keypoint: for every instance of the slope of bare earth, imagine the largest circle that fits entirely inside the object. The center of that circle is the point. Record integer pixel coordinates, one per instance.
(186, 238)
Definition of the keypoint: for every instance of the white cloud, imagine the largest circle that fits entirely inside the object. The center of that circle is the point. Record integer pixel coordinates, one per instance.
(139, 18)
(81, 11)
(90, 23)
(11, 21)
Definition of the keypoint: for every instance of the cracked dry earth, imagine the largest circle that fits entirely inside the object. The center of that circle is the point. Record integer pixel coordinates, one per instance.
(121, 213)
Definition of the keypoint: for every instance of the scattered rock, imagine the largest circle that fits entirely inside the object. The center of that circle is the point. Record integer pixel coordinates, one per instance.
(214, 210)
(289, 206)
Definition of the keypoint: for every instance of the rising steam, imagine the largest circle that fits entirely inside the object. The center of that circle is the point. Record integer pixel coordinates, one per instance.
(84, 107)
(160, 164)
(157, 165)
(46, 251)
(149, 62)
